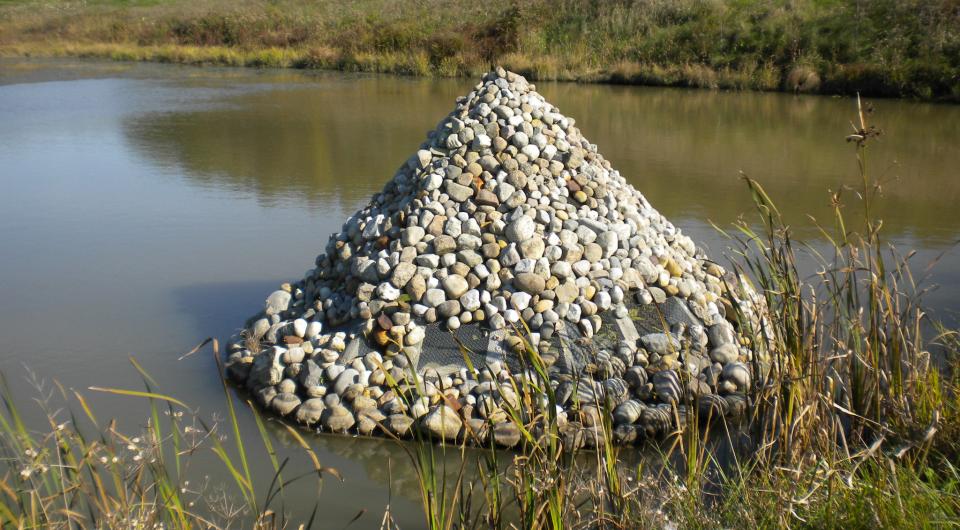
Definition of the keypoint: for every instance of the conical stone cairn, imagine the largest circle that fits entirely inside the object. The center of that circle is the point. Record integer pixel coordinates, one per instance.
(505, 233)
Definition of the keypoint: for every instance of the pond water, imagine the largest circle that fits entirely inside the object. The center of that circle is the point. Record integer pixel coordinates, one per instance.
(145, 207)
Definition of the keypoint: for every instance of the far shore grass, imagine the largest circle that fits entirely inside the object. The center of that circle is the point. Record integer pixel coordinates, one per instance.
(886, 48)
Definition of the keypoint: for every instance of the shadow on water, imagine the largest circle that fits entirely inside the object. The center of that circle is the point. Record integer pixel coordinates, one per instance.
(220, 309)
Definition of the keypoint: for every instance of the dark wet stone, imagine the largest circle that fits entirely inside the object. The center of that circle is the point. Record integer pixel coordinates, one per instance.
(309, 411)
(738, 405)
(628, 412)
(564, 392)
(337, 418)
(666, 384)
(284, 404)
(476, 430)
(506, 434)
(398, 424)
(615, 391)
(657, 420)
(636, 377)
(712, 406)
(627, 434)
(572, 435)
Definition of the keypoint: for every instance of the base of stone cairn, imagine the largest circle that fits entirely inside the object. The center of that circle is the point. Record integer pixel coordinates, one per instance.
(505, 275)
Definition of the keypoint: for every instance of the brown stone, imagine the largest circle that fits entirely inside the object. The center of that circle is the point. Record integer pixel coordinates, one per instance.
(529, 282)
(486, 197)
(435, 228)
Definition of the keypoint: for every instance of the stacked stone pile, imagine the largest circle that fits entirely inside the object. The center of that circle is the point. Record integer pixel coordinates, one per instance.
(505, 219)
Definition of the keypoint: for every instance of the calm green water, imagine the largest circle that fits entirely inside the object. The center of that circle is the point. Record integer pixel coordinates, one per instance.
(145, 207)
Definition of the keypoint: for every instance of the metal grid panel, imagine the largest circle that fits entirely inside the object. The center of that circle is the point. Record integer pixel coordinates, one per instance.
(646, 318)
(444, 351)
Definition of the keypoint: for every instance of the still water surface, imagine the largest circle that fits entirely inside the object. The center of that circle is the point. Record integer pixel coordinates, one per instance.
(145, 207)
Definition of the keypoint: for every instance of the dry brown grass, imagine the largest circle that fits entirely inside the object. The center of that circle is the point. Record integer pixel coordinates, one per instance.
(906, 49)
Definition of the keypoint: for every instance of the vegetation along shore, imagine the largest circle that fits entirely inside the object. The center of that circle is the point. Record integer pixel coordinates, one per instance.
(880, 48)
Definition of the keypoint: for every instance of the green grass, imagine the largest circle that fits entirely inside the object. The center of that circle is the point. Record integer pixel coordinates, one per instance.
(880, 48)
(82, 472)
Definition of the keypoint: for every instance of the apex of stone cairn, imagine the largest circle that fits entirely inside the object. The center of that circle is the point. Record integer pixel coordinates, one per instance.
(505, 232)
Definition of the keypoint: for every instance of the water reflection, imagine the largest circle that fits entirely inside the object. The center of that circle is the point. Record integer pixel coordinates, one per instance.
(335, 140)
(685, 149)
(340, 139)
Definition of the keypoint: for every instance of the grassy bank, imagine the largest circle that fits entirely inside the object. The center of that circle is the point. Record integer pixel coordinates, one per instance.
(880, 48)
